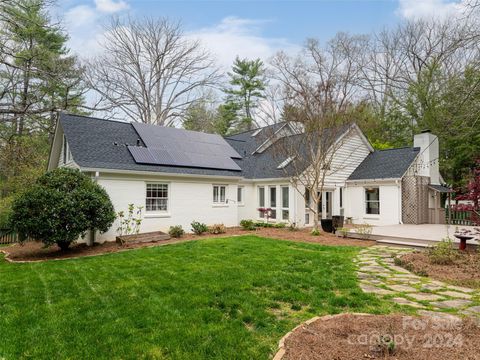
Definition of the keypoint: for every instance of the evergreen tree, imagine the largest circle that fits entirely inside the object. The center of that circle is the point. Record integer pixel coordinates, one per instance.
(38, 79)
(248, 83)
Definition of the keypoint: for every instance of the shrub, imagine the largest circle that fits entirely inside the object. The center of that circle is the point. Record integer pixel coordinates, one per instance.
(293, 227)
(247, 224)
(217, 229)
(199, 228)
(442, 253)
(264, 224)
(315, 232)
(280, 225)
(365, 230)
(176, 231)
(343, 231)
(130, 224)
(61, 206)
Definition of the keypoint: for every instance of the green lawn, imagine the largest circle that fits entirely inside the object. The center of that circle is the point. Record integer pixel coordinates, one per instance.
(231, 298)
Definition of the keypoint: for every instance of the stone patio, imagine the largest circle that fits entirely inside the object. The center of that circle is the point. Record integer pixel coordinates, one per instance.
(379, 275)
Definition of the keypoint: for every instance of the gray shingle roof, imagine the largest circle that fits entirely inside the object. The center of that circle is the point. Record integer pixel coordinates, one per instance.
(92, 143)
(385, 164)
(102, 144)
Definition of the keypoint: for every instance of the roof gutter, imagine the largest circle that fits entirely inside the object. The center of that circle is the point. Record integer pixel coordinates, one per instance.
(151, 173)
(373, 180)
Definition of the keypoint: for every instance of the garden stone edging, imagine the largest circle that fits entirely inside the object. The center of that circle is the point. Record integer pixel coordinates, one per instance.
(7, 258)
(281, 344)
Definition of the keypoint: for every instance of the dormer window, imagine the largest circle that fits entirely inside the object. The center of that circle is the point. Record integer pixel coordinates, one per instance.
(285, 162)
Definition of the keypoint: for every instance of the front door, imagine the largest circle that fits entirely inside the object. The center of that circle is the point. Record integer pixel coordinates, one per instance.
(325, 205)
(328, 205)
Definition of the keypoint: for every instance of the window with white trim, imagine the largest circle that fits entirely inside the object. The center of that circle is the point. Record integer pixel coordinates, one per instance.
(273, 201)
(285, 203)
(372, 201)
(261, 200)
(240, 195)
(219, 194)
(156, 198)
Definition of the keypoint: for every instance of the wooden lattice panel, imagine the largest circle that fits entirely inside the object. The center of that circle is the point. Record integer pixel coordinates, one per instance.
(415, 199)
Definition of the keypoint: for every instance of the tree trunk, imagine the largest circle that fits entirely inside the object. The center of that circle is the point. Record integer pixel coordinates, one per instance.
(63, 245)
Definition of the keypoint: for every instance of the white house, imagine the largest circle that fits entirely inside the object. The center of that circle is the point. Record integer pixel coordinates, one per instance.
(179, 176)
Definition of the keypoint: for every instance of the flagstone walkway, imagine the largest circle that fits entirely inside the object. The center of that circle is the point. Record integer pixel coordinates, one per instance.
(379, 275)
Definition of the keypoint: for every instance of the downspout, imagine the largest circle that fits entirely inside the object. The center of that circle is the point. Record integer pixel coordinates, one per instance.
(399, 184)
(92, 236)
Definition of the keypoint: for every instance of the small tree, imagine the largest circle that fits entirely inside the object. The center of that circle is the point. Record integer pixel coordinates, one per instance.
(472, 193)
(60, 207)
(318, 93)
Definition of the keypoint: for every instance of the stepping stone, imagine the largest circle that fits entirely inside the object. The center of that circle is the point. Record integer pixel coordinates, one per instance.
(460, 288)
(375, 290)
(452, 304)
(405, 281)
(399, 269)
(379, 269)
(372, 281)
(473, 310)
(456, 294)
(431, 287)
(402, 301)
(440, 315)
(402, 288)
(361, 275)
(407, 275)
(425, 296)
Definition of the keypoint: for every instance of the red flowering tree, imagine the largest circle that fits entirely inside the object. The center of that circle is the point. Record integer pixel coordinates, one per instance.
(472, 194)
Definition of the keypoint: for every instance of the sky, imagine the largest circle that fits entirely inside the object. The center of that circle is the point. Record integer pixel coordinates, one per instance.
(249, 29)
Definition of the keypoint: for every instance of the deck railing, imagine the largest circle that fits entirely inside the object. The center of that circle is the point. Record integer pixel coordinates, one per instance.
(463, 217)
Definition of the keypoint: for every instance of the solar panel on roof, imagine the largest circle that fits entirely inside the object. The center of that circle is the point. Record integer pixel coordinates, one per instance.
(153, 136)
(143, 155)
(177, 147)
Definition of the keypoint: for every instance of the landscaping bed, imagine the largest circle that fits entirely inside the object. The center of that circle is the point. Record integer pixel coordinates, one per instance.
(463, 269)
(353, 337)
(34, 251)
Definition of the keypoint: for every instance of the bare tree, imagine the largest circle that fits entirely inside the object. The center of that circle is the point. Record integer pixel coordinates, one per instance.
(320, 86)
(150, 71)
(418, 51)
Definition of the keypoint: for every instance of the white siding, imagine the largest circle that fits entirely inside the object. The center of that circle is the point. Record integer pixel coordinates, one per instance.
(390, 203)
(189, 200)
(346, 159)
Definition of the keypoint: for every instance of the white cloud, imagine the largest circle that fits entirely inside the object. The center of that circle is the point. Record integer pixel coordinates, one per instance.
(83, 23)
(111, 6)
(428, 9)
(80, 16)
(239, 36)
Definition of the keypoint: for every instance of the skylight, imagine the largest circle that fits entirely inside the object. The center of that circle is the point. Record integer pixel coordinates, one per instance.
(285, 162)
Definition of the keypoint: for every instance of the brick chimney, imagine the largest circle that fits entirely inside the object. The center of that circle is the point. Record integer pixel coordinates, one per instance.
(428, 156)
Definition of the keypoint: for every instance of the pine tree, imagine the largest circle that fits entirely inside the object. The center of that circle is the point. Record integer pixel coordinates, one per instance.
(248, 83)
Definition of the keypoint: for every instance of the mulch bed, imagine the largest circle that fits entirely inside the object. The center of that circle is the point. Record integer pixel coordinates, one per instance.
(33, 251)
(355, 337)
(464, 271)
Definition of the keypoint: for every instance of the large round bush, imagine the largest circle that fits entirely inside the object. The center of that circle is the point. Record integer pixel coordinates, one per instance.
(62, 205)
